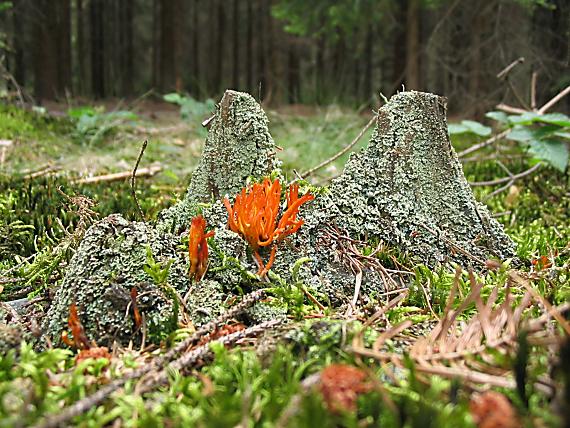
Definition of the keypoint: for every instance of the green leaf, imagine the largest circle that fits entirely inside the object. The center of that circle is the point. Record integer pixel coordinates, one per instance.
(521, 134)
(477, 128)
(523, 119)
(455, 128)
(469, 127)
(562, 134)
(552, 151)
(554, 119)
(499, 116)
(173, 98)
(524, 134)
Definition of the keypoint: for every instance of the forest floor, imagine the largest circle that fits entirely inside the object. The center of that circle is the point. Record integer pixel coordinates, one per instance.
(336, 370)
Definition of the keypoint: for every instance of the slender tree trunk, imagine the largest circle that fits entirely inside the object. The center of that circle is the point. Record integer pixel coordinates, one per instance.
(18, 17)
(399, 47)
(96, 10)
(170, 20)
(64, 45)
(218, 52)
(155, 42)
(45, 55)
(319, 70)
(249, 48)
(195, 50)
(80, 49)
(261, 54)
(293, 86)
(368, 63)
(413, 46)
(235, 45)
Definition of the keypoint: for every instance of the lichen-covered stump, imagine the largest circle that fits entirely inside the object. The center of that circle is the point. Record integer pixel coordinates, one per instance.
(238, 147)
(407, 188)
(107, 265)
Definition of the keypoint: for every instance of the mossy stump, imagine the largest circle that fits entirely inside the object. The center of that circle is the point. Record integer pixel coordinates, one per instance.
(407, 189)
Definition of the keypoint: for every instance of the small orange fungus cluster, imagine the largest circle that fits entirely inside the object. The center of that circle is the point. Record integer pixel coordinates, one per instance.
(86, 349)
(491, 410)
(341, 385)
(254, 216)
(198, 247)
(74, 323)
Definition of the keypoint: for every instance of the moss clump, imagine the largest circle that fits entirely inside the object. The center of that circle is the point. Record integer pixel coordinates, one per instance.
(108, 263)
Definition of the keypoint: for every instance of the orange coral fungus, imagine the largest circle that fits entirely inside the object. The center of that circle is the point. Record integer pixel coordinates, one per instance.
(135, 308)
(198, 248)
(493, 410)
(254, 216)
(79, 338)
(97, 352)
(341, 385)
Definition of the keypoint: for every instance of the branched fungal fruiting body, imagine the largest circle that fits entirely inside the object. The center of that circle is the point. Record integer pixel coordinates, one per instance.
(254, 216)
(74, 323)
(198, 247)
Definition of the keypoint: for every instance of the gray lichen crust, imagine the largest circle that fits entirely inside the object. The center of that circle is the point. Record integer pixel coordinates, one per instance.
(107, 264)
(407, 188)
(238, 147)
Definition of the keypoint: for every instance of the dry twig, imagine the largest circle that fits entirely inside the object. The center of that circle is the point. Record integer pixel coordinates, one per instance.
(343, 151)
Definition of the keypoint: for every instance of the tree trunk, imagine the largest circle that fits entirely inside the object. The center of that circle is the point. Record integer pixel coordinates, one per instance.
(249, 48)
(170, 19)
(219, 47)
(80, 48)
(261, 54)
(368, 64)
(19, 19)
(235, 45)
(196, 85)
(96, 9)
(45, 55)
(293, 86)
(413, 46)
(63, 45)
(399, 47)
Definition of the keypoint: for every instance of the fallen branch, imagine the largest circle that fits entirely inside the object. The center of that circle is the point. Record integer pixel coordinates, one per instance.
(554, 100)
(143, 172)
(510, 178)
(485, 143)
(343, 151)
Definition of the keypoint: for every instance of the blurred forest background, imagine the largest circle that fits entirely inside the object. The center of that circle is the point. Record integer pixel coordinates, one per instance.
(286, 51)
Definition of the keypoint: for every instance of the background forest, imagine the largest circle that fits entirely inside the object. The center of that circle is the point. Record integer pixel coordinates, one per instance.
(285, 51)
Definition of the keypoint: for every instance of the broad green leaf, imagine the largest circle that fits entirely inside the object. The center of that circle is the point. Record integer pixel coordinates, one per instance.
(552, 151)
(521, 134)
(554, 119)
(456, 128)
(173, 97)
(499, 116)
(477, 128)
(523, 119)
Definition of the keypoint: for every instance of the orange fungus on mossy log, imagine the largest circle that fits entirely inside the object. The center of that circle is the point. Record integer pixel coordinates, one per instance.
(198, 247)
(254, 216)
